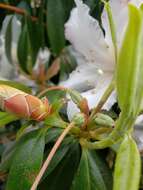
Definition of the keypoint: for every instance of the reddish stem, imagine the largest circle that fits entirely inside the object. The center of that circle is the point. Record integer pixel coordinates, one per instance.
(16, 9)
(50, 156)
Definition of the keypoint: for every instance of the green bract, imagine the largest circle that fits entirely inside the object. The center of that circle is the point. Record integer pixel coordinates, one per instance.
(127, 166)
(130, 65)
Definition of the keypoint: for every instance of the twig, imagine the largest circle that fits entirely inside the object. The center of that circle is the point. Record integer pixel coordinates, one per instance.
(104, 98)
(16, 10)
(50, 156)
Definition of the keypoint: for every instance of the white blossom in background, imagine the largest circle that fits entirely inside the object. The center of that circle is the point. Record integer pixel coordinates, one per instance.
(6, 69)
(43, 57)
(86, 36)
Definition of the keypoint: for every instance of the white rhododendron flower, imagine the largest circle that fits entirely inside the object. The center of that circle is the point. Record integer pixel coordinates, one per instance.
(6, 69)
(87, 37)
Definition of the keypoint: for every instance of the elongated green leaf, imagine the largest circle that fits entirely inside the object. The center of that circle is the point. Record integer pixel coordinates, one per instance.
(92, 174)
(60, 154)
(127, 166)
(8, 40)
(55, 121)
(55, 25)
(6, 118)
(112, 26)
(61, 177)
(27, 161)
(52, 134)
(130, 65)
(7, 157)
(17, 85)
(23, 47)
(29, 44)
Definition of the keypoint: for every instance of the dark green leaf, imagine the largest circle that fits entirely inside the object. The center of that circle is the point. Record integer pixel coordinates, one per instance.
(23, 47)
(55, 121)
(52, 134)
(27, 161)
(93, 173)
(7, 157)
(60, 154)
(6, 118)
(8, 40)
(55, 95)
(62, 175)
(29, 44)
(55, 25)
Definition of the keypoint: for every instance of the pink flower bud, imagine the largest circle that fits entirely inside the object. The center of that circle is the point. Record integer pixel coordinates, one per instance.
(22, 104)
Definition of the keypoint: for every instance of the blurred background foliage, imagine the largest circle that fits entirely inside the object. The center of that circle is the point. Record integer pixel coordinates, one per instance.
(32, 26)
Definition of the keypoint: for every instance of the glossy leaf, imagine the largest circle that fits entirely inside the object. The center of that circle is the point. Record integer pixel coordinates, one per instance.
(23, 48)
(127, 166)
(27, 161)
(55, 121)
(29, 44)
(93, 173)
(63, 174)
(8, 40)
(17, 85)
(6, 118)
(55, 95)
(130, 65)
(55, 25)
(60, 154)
(7, 157)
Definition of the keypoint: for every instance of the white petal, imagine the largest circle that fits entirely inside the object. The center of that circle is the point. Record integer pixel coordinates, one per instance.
(83, 78)
(42, 58)
(120, 16)
(85, 34)
(138, 135)
(137, 2)
(139, 120)
(86, 75)
(6, 69)
(16, 29)
(93, 96)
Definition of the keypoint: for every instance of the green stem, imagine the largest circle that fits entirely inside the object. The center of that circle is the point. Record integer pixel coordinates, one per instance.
(122, 127)
(104, 98)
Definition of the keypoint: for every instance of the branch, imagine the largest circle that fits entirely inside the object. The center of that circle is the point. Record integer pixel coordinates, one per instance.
(50, 156)
(16, 10)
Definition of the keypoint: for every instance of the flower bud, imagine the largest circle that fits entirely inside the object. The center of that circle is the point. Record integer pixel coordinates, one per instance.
(79, 119)
(79, 101)
(103, 120)
(22, 104)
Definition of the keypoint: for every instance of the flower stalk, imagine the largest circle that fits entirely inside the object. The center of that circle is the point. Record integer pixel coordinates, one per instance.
(16, 10)
(103, 99)
(51, 155)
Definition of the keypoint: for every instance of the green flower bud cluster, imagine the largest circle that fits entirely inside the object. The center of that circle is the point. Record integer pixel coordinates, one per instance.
(79, 119)
(101, 119)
